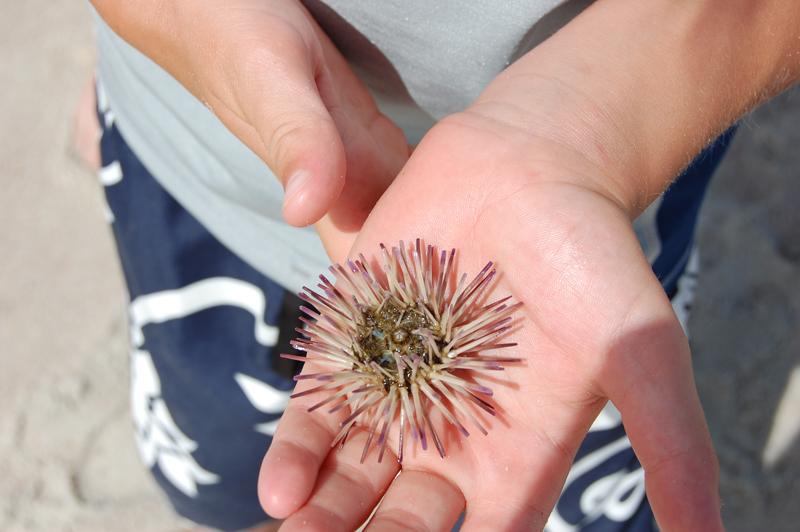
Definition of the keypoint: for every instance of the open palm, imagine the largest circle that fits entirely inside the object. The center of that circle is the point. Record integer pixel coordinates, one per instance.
(596, 325)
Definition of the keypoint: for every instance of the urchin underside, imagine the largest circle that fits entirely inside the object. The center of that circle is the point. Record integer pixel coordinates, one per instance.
(402, 340)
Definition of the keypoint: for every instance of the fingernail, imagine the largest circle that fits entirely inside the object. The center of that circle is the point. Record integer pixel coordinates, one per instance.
(295, 185)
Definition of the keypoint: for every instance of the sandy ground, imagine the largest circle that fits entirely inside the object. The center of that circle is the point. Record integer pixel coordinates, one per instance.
(67, 459)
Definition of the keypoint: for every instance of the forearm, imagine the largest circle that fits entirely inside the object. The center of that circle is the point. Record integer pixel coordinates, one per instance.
(640, 87)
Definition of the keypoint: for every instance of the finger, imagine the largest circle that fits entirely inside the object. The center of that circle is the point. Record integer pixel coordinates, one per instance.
(300, 140)
(375, 151)
(346, 491)
(418, 500)
(299, 448)
(262, 83)
(319, 126)
(375, 148)
(650, 381)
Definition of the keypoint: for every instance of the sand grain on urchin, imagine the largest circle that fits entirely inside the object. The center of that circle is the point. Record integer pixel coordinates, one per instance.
(403, 341)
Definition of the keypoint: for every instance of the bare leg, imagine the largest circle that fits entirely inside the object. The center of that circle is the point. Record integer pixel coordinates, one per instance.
(86, 129)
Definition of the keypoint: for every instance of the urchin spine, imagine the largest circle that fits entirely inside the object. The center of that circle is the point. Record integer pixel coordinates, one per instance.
(406, 338)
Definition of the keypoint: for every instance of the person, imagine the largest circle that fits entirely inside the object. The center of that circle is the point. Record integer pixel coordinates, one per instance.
(544, 135)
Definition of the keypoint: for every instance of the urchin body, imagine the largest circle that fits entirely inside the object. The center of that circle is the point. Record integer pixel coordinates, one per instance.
(402, 340)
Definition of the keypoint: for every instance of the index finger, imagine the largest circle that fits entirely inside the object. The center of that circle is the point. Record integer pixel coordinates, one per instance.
(299, 447)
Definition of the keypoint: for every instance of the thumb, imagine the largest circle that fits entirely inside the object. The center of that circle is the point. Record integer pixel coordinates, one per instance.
(650, 381)
(263, 84)
(281, 86)
(255, 65)
(300, 141)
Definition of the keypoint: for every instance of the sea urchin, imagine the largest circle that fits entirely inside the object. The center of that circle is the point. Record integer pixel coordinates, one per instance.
(404, 337)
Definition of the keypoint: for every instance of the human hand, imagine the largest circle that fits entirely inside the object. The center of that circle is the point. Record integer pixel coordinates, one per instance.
(596, 325)
(543, 174)
(276, 81)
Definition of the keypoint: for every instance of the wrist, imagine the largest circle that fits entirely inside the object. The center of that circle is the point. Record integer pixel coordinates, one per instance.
(563, 139)
(639, 88)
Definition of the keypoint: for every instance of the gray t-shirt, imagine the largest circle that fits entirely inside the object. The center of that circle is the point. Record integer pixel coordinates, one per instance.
(422, 60)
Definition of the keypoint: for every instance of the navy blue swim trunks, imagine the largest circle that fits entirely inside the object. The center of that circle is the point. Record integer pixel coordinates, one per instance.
(208, 387)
